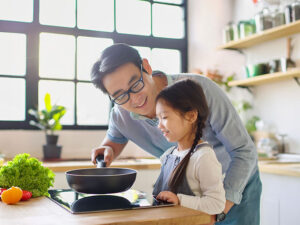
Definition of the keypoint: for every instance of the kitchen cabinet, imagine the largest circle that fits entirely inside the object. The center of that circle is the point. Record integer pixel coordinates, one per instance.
(280, 202)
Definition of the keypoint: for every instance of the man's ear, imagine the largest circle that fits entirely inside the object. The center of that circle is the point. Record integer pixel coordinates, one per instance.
(147, 66)
(191, 116)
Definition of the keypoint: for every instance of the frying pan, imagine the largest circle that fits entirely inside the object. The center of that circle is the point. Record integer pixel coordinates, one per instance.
(101, 180)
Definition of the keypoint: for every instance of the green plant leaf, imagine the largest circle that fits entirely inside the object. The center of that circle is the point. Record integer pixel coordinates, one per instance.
(251, 124)
(33, 112)
(246, 106)
(57, 126)
(36, 124)
(48, 102)
(48, 119)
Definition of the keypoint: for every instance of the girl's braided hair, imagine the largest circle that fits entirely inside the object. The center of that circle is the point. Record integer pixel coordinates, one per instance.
(185, 96)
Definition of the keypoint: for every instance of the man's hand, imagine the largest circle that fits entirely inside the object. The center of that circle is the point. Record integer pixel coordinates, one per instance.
(228, 206)
(107, 151)
(168, 196)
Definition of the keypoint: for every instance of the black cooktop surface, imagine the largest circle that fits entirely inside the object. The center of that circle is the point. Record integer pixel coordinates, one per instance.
(75, 202)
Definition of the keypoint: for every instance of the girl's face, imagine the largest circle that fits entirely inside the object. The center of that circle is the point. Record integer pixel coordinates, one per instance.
(175, 126)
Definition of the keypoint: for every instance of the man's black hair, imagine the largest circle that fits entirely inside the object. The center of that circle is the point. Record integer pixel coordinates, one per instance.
(112, 58)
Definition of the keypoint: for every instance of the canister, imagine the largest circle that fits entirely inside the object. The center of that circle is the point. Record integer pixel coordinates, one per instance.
(296, 11)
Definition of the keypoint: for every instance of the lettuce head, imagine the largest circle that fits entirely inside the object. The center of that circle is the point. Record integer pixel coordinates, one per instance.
(28, 174)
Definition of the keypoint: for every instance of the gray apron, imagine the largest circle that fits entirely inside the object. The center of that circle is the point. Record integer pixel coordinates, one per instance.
(168, 165)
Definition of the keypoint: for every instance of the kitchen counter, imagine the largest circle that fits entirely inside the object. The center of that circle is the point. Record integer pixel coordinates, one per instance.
(42, 211)
(265, 166)
(63, 166)
(280, 168)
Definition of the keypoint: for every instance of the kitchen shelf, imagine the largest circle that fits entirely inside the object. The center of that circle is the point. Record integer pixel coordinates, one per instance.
(267, 78)
(267, 35)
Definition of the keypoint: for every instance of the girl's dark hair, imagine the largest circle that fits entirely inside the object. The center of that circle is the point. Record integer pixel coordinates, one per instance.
(111, 58)
(184, 96)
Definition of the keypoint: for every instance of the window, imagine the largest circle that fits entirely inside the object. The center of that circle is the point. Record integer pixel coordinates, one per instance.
(49, 46)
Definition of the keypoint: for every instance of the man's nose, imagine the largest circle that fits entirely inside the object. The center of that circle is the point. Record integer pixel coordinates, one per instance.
(135, 97)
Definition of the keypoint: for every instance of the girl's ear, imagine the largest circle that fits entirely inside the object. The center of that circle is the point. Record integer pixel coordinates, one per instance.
(147, 66)
(191, 116)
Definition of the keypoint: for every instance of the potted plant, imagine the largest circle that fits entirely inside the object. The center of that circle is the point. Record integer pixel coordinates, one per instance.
(48, 120)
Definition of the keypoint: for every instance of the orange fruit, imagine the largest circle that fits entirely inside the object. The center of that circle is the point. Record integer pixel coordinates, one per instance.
(12, 195)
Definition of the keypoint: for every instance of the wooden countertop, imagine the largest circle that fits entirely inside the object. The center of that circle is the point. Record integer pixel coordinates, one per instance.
(42, 211)
(63, 166)
(265, 166)
(280, 168)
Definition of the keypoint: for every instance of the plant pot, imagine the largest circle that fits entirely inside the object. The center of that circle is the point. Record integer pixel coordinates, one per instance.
(51, 139)
(52, 151)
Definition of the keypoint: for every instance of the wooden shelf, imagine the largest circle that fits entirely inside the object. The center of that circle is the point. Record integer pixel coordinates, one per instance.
(267, 35)
(267, 78)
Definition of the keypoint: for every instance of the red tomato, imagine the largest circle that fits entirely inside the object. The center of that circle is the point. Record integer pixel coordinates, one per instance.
(26, 195)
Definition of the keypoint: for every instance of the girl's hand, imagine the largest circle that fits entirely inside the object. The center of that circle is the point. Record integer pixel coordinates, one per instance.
(168, 196)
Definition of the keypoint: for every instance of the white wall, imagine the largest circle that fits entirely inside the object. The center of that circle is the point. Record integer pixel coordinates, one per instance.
(278, 104)
(76, 144)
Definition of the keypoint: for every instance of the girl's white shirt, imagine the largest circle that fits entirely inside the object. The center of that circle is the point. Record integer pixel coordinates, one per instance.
(204, 176)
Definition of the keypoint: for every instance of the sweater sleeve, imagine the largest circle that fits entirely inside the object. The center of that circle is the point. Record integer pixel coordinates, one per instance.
(208, 177)
(230, 131)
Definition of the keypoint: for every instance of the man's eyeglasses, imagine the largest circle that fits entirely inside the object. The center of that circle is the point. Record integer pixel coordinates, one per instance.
(135, 88)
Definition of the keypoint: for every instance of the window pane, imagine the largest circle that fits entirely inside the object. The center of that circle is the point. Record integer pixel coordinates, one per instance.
(170, 1)
(12, 53)
(96, 15)
(57, 12)
(88, 51)
(57, 55)
(12, 98)
(92, 105)
(133, 17)
(145, 52)
(168, 21)
(16, 10)
(62, 93)
(166, 60)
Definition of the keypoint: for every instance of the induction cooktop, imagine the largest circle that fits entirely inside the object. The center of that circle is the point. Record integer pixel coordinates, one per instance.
(75, 202)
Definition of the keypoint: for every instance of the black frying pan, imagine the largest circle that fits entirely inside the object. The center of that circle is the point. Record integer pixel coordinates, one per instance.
(101, 180)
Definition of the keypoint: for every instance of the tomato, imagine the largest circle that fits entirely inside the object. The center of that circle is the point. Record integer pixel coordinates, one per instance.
(26, 195)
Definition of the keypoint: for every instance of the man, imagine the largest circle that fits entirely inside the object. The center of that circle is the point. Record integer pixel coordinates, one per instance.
(132, 85)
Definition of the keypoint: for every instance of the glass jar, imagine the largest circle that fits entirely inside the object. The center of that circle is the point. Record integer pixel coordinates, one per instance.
(228, 33)
(296, 11)
(246, 28)
(288, 14)
(278, 18)
(263, 20)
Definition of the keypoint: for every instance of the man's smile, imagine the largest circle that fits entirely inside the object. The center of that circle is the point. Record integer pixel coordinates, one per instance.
(142, 104)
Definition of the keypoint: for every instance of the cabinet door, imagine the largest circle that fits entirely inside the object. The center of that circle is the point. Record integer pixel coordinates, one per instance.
(270, 199)
(270, 211)
(290, 200)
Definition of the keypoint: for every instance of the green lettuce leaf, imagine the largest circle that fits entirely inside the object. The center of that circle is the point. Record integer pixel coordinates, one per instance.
(28, 174)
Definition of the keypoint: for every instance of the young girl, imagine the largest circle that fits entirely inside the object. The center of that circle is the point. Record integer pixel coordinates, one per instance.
(191, 175)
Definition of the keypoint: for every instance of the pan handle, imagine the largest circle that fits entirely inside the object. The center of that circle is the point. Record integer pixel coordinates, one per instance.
(100, 161)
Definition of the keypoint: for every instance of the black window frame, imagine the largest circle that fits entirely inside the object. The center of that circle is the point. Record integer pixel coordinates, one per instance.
(33, 30)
